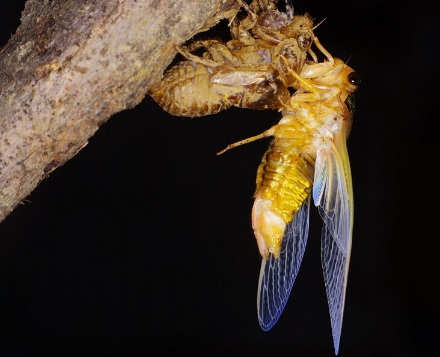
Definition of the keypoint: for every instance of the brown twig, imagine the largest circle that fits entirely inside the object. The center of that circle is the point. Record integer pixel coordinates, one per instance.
(70, 66)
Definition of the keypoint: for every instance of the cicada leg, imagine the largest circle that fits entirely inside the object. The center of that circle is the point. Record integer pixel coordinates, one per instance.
(191, 57)
(242, 142)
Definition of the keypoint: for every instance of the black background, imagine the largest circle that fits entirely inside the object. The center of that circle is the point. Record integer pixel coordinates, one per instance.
(143, 242)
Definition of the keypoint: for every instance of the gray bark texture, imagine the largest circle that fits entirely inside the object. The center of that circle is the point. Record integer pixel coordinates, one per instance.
(70, 66)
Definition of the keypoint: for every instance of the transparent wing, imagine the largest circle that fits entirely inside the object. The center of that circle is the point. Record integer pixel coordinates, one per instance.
(277, 275)
(333, 194)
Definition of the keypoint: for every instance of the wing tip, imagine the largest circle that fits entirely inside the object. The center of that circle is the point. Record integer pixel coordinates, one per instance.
(336, 344)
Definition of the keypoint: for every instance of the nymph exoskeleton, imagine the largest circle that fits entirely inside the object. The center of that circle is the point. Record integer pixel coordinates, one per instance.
(246, 71)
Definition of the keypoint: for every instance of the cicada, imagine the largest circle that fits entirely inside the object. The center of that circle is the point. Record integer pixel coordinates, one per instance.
(307, 159)
(246, 71)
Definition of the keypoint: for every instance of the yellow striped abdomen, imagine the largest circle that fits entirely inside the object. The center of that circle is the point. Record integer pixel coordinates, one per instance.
(284, 180)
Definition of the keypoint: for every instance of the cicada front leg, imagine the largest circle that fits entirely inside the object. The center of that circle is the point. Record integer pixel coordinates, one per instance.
(216, 53)
(227, 9)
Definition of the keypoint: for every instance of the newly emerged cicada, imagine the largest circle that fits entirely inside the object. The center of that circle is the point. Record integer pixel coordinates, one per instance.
(307, 158)
(247, 71)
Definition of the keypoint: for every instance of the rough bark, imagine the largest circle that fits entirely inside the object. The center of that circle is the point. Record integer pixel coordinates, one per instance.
(70, 66)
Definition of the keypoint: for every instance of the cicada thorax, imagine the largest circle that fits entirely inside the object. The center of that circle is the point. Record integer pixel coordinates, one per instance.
(281, 32)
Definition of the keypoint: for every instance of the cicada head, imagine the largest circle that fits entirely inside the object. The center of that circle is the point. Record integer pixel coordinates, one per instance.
(342, 76)
(342, 80)
(349, 81)
(274, 26)
(300, 28)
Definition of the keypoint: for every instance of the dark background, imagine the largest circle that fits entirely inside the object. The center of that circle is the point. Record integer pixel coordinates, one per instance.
(143, 241)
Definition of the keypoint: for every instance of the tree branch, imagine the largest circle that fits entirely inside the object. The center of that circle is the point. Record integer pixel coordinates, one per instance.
(70, 66)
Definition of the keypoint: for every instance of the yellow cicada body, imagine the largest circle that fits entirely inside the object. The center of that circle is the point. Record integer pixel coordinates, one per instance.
(307, 158)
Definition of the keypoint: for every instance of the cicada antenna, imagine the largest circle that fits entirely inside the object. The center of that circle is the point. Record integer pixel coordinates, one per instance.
(319, 23)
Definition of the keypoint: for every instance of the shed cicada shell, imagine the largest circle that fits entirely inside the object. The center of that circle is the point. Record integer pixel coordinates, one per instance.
(307, 159)
(246, 71)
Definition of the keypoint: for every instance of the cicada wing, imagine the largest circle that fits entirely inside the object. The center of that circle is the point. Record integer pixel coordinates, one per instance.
(277, 275)
(333, 194)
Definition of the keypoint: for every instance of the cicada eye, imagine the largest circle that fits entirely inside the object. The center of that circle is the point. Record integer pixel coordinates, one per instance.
(354, 78)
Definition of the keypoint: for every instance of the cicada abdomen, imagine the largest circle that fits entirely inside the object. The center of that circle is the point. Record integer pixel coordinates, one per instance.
(284, 180)
(307, 158)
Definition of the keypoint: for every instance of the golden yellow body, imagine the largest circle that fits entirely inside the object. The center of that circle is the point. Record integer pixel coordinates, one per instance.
(284, 180)
(316, 114)
(307, 158)
(285, 176)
